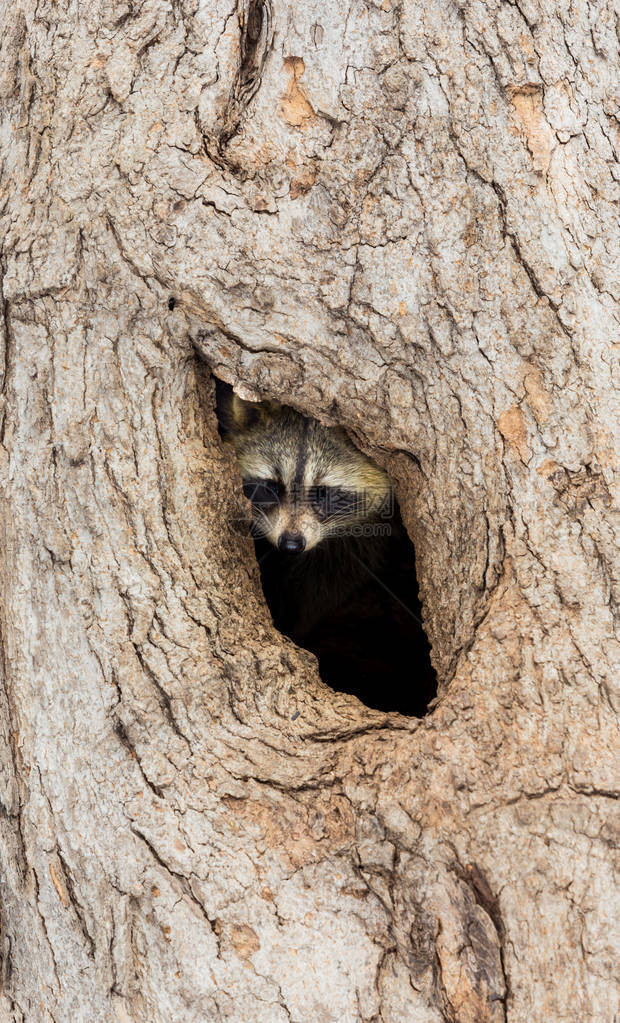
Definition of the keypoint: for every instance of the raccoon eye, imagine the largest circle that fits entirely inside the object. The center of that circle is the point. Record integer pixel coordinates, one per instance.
(265, 493)
(332, 501)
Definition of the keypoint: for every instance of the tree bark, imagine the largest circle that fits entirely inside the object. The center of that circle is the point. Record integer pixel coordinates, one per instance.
(394, 216)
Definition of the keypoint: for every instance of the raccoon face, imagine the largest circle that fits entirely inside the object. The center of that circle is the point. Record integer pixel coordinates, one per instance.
(306, 482)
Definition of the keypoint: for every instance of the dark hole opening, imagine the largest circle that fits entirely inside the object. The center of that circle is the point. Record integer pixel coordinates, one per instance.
(351, 599)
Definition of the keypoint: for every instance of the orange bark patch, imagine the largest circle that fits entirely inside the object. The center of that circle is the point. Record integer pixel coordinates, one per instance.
(511, 425)
(538, 398)
(59, 886)
(295, 106)
(244, 940)
(550, 470)
(530, 117)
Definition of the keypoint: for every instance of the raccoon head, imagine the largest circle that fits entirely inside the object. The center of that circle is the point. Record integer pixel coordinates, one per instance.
(306, 482)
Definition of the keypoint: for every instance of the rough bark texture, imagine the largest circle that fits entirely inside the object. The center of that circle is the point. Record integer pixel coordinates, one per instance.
(399, 217)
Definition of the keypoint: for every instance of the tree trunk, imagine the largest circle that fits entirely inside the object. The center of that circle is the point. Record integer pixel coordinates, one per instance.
(394, 216)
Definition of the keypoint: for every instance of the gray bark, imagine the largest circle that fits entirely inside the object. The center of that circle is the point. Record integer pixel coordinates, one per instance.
(398, 217)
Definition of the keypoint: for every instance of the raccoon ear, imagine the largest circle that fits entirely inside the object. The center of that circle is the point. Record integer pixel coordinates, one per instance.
(235, 414)
(246, 414)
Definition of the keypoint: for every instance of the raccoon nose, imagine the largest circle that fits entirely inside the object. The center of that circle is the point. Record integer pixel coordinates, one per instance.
(291, 543)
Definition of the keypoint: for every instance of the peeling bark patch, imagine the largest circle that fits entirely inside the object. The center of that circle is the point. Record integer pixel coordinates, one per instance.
(244, 940)
(59, 886)
(551, 471)
(538, 398)
(511, 425)
(530, 116)
(295, 106)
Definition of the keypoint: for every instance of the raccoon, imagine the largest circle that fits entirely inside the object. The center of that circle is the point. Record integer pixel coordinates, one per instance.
(307, 482)
(336, 565)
